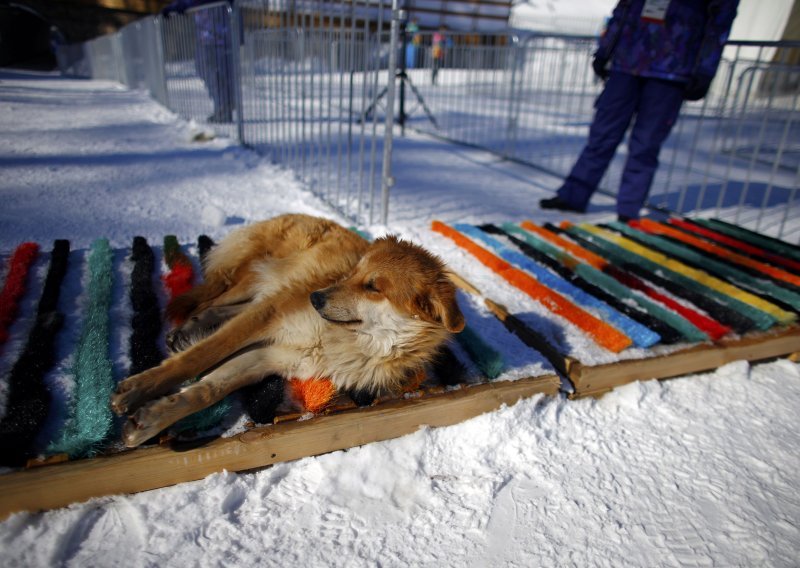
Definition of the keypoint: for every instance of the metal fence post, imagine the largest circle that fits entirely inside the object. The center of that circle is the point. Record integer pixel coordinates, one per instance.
(387, 180)
(235, 21)
(517, 58)
(163, 93)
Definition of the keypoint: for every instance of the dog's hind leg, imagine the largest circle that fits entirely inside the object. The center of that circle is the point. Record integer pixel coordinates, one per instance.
(181, 307)
(201, 325)
(245, 369)
(248, 328)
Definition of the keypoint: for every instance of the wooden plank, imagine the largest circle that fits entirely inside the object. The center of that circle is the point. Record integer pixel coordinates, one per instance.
(143, 469)
(593, 381)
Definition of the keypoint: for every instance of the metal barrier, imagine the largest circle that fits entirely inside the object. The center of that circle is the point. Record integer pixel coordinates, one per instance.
(299, 82)
(290, 79)
(305, 86)
(531, 100)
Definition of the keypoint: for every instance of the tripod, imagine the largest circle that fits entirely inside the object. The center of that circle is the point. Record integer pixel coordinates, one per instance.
(404, 80)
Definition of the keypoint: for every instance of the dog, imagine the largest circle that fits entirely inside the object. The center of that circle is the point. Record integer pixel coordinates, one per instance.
(296, 296)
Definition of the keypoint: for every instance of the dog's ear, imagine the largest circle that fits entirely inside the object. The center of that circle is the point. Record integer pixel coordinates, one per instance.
(440, 306)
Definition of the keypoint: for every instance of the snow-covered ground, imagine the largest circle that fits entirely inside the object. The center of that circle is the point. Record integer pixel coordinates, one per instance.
(695, 471)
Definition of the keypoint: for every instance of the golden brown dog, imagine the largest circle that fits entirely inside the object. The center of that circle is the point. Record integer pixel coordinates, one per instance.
(297, 296)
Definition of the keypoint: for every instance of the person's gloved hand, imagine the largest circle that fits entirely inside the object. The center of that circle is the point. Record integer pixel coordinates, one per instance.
(599, 65)
(697, 87)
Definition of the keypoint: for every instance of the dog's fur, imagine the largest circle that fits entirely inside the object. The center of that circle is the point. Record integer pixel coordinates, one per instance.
(300, 297)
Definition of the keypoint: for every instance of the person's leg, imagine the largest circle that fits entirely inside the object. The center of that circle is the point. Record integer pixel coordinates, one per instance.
(226, 98)
(208, 69)
(215, 67)
(659, 106)
(613, 112)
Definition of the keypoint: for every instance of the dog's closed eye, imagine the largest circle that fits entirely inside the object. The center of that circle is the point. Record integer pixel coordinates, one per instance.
(371, 286)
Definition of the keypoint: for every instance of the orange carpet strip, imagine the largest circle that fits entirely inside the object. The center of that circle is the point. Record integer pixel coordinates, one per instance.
(602, 333)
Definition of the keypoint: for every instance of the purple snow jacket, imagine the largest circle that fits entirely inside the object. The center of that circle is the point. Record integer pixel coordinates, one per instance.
(687, 44)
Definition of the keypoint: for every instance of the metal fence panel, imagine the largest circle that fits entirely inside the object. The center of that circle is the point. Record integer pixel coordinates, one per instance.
(198, 62)
(304, 91)
(304, 81)
(735, 153)
(292, 79)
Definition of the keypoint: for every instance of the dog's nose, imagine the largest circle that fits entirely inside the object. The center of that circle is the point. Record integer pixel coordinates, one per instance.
(318, 299)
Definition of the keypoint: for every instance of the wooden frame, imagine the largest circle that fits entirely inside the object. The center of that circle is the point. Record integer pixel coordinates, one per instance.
(57, 485)
(599, 379)
(596, 380)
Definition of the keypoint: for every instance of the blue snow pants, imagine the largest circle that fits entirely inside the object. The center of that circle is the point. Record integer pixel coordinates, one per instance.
(655, 104)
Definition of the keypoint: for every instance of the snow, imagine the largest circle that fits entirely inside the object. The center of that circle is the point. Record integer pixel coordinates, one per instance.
(562, 16)
(699, 470)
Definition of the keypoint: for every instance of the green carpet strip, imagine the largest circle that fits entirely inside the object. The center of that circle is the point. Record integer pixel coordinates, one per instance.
(91, 421)
(761, 320)
(205, 419)
(486, 358)
(622, 268)
(610, 285)
(756, 239)
(28, 398)
(706, 262)
(363, 234)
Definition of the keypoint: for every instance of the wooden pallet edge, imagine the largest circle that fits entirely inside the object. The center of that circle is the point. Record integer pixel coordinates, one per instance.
(143, 469)
(595, 380)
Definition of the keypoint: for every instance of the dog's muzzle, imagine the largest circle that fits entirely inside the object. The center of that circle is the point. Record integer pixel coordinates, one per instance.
(331, 312)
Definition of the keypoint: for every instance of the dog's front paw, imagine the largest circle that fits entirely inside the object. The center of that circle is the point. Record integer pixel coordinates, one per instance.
(130, 393)
(141, 426)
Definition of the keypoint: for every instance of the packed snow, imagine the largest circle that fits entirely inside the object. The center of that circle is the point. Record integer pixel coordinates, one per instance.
(699, 470)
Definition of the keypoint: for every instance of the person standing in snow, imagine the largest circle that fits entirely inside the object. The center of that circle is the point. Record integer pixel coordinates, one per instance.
(438, 46)
(412, 47)
(661, 52)
(214, 56)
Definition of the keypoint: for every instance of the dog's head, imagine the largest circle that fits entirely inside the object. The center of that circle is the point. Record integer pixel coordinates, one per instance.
(395, 286)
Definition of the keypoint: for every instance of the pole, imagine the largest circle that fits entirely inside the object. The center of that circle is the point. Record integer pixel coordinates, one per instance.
(403, 47)
(387, 181)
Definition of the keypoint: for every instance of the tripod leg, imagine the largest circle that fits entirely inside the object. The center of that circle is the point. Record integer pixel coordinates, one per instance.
(421, 101)
(372, 105)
